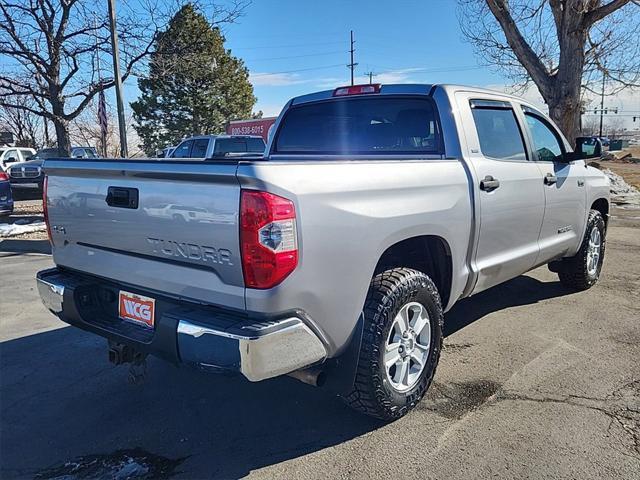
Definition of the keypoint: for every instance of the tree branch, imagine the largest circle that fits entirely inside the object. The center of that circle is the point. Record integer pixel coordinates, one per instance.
(520, 47)
(599, 13)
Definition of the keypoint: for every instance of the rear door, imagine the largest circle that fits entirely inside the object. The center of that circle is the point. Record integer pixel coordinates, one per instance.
(565, 211)
(509, 190)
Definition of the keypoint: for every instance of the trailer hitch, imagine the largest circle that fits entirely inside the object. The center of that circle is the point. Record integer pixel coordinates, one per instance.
(120, 354)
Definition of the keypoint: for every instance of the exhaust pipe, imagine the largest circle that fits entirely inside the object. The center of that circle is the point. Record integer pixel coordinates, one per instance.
(314, 376)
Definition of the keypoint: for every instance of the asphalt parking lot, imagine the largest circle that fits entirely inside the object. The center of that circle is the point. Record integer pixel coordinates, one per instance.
(534, 382)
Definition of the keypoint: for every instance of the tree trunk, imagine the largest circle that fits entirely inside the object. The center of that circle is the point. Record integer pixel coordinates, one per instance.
(564, 99)
(565, 112)
(62, 136)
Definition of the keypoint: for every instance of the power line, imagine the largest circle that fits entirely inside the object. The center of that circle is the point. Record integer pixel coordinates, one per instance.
(295, 71)
(294, 56)
(461, 68)
(287, 46)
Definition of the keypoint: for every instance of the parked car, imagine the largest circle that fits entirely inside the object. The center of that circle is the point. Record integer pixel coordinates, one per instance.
(219, 146)
(6, 199)
(165, 152)
(29, 174)
(11, 155)
(375, 209)
(181, 213)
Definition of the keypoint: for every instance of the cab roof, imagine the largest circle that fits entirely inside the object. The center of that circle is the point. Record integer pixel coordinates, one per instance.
(407, 89)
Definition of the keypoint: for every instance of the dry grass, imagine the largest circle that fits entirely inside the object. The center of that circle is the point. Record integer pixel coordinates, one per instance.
(629, 171)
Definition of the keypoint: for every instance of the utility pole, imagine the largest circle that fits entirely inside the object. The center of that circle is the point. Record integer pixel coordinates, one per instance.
(371, 75)
(118, 79)
(604, 77)
(352, 65)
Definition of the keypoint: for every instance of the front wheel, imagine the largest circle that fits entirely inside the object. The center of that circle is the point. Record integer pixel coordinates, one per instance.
(582, 271)
(401, 344)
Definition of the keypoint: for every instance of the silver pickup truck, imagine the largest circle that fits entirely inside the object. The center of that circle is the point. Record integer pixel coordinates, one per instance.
(333, 258)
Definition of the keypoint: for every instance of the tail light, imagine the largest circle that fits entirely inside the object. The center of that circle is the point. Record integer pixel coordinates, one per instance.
(268, 238)
(3, 177)
(357, 90)
(45, 210)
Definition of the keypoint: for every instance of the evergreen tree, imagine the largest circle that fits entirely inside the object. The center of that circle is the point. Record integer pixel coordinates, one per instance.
(194, 84)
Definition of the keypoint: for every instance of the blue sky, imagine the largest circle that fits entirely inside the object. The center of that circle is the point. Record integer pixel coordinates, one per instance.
(295, 47)
(284, 43)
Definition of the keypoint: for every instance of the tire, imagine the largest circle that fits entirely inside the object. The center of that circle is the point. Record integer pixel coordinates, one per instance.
(375, 391)
(579, 272)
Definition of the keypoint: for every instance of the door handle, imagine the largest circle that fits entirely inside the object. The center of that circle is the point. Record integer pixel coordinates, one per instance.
(550, 179)
(122, 197)
(489, 183)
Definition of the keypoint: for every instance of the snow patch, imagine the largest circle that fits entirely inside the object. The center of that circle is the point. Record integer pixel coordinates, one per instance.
(18, 228)
(621, 192)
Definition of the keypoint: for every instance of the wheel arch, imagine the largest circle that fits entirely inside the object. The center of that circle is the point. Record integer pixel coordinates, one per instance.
(429, 254)
(602, 206)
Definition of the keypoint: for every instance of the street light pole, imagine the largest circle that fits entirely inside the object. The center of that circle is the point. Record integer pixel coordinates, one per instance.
(118, 79)
(604, 78)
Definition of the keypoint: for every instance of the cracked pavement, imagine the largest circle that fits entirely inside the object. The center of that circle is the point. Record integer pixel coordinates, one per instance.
(534, 382)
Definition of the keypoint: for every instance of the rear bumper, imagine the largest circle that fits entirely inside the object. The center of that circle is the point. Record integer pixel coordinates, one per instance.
(204, 337)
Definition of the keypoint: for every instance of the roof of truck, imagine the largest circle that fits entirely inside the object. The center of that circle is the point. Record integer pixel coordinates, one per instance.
(404, 88)
(219, 136)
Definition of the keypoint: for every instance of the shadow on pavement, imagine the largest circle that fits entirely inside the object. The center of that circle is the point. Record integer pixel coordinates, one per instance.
(61, 399)
(522, 290)
(24, 246)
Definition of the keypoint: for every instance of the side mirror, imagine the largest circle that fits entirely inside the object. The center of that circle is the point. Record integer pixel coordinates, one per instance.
(11, 159)
(588, 147)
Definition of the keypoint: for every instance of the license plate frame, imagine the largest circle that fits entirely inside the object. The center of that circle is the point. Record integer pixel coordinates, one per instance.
(136, 308)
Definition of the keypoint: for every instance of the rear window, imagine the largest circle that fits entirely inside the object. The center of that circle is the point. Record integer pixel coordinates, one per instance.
(47, 153)
(363, 126)
(225, 146)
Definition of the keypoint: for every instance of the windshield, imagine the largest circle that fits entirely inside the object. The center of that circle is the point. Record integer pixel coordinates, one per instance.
(372, 125)
(46, 153)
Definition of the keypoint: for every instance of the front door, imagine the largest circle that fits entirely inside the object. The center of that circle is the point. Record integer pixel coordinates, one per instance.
(564, 217)
(509, 191)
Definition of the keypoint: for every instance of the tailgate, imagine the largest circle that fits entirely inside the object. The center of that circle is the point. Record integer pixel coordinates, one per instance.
(165, 226)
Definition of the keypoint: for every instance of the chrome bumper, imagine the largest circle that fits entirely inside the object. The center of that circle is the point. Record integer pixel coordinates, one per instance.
(275, 349)
(257, 348)
(52, 294)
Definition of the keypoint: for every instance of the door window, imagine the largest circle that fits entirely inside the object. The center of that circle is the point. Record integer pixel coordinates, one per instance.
(183, 150)
(545, 140)
(200, 148)
(11, 156)
(498, 132)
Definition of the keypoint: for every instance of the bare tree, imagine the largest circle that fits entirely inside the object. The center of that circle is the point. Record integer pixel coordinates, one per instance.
(563, 46)
(27, 128)
(85, 131)
(50, 51)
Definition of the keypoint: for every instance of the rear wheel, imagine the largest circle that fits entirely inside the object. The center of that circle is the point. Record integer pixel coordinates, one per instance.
(401, 344)
(582, 271)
